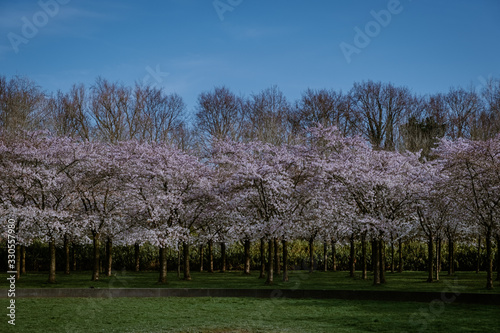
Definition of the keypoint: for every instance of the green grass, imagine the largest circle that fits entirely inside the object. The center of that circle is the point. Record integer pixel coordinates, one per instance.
(246, 315)
(465, 282)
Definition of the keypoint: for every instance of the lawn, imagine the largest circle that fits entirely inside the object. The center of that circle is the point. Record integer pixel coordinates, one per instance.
(465, 282)
(246, 315)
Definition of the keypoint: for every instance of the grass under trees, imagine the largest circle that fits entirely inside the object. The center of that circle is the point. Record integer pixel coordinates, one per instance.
(246, 315)
(464, 282)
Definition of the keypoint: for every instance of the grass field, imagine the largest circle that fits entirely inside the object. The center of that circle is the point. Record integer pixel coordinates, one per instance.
(466, 282)
(246, 315)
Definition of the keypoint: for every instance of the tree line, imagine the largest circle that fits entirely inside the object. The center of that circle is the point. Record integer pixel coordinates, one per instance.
(122, 165)
(389, 117)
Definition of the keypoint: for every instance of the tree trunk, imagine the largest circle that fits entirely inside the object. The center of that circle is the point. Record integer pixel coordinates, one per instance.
(179, 262)
(400, 255)
(18, 262)
(202, 255)
(325, 256)
(311, 255)
(392, 255)
(97, 257)
(382, 261)
(137, 257)
(489, 259)
(23, 259)
(276, 257)
(478, 257)
(438, 257)
(163, 265)
(451, 256)
(334, 255)
(223, 257)
(52, 265)
(352, 257)
(498, 257)
(376, 262)
(364, 268)
(109, 256)
(285, 260)
(187, 271)
(67, 257)
(270, 278)
(73, 255)
(246, 270)
(211, 256)
(430, 258)
(262, 258)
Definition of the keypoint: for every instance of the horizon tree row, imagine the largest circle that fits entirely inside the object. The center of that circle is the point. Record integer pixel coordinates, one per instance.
(390, 117)
(325, 186)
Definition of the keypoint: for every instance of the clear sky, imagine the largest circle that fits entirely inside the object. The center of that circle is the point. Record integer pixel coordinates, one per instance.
(249, 45)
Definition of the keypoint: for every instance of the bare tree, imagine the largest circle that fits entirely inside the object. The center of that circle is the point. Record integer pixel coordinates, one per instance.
(69, 113)
(109, 107)
(487, 123)
(21, 105)
(267, 117)
(379, 111)
(157, 116)
(219, 114)
(325, 107)
(464, 106)
(435, 107)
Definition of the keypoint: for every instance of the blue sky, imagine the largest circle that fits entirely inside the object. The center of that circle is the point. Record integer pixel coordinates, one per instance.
(425, 45)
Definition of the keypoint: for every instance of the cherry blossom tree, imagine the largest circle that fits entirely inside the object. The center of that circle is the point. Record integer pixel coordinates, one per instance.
(382, 185)
(472, 169)
(171, 190)
(257, 179)
(38, 166)
(101, 200)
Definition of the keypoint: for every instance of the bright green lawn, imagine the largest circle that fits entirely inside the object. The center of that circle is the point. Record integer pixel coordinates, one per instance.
(465, 282)
(246, 315)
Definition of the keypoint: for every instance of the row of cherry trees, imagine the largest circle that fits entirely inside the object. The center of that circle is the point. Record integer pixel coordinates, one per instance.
(328, 186)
